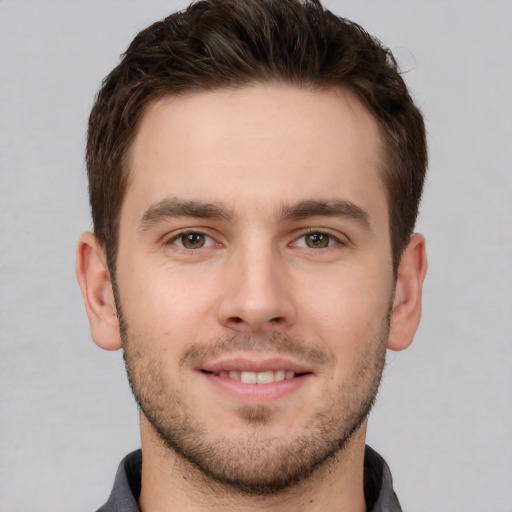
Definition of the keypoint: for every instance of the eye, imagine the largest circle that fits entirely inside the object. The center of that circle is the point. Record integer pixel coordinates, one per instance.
(316, 240)
(192, 240)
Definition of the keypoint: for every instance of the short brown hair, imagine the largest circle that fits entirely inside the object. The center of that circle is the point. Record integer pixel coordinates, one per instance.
(217, 44)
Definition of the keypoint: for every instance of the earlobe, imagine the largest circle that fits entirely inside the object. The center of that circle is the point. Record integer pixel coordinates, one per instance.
(406, 313)
(96, 286)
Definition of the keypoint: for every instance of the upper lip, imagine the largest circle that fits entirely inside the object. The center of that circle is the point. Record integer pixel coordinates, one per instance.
(255, 364)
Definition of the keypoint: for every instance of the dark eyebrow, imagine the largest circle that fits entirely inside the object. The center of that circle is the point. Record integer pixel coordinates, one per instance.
(334, 208)
(172, 208)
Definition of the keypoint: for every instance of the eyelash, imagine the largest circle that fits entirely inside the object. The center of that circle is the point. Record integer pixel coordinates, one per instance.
(209, 241)
(179, 236)
(333, 240)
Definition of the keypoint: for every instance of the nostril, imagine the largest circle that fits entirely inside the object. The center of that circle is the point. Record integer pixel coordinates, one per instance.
(236, 320)
(276, 319)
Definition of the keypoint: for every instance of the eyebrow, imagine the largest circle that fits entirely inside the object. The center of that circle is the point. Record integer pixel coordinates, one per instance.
(329, 208)
(173, 208)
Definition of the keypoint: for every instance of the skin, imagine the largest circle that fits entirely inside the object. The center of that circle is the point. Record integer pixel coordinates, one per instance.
(254, 288)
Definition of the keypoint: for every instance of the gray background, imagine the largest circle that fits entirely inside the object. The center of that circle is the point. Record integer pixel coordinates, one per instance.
(444, 416)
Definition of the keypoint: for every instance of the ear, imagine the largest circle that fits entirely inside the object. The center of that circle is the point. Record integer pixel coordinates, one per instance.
(406, 313)
(96, 286)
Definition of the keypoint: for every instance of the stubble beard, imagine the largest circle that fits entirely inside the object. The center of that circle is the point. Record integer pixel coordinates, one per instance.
(254, 462)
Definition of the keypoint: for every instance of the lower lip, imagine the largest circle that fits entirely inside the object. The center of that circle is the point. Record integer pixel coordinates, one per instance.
(256, 392)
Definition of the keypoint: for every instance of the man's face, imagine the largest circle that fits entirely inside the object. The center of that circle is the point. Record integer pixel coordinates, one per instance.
(255, 278)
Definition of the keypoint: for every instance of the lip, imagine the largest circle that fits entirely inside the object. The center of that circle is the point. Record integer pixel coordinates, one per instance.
(255, 364)
(255, 393)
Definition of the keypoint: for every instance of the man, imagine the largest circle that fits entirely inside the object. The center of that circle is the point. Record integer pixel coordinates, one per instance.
(255, 169)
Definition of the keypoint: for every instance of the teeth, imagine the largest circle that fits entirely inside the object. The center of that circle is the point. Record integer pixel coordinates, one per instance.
(266, 377)
(249, 377)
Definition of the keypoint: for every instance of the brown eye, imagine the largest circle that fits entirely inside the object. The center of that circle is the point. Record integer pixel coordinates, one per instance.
(192, 240)
(317, 240)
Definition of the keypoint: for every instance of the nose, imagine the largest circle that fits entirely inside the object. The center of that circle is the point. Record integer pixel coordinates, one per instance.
(256, 293)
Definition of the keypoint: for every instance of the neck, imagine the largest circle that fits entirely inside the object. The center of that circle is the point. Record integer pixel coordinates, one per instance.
(169, 482)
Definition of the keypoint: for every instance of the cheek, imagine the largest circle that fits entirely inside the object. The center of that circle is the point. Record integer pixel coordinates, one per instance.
(359, 291)
(164, 303)
(351, 311)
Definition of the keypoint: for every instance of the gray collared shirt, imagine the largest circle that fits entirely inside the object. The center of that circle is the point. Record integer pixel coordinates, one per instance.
(378, 485)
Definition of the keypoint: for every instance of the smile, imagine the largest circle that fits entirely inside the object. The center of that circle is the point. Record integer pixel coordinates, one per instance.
(263, 377)
(256, 378)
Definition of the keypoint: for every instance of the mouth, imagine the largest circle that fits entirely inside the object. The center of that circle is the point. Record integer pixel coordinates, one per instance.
(256, 380)
(261, 377)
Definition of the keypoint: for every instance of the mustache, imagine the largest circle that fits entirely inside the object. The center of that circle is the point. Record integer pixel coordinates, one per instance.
(277, 343)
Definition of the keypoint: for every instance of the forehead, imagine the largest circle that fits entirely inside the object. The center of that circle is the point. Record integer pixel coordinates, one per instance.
(256, 145)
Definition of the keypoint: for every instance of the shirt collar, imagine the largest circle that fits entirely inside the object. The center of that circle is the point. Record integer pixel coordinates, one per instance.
(378, 485)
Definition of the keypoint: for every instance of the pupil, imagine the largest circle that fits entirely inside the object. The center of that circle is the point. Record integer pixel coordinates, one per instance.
(318, 240)
(193, 240)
